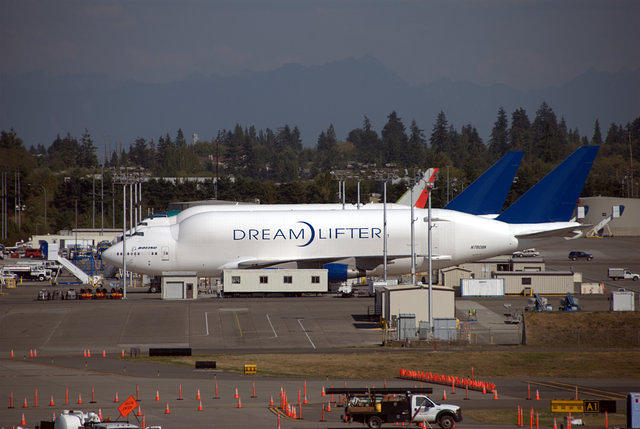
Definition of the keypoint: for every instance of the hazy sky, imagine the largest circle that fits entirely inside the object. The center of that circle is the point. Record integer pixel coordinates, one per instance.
(526, 44)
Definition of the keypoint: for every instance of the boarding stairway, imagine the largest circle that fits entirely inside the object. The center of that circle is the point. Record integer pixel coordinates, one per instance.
(77, 272)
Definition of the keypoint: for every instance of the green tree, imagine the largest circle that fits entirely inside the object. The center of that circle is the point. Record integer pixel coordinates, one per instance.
(596, 139)
(499, 141)
(394, 139)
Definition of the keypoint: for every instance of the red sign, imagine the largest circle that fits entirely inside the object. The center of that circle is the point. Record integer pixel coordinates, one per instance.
(127, 406)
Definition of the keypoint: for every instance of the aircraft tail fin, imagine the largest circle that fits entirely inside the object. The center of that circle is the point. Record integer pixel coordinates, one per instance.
(420, 199)
(486, 195)
(554, 198)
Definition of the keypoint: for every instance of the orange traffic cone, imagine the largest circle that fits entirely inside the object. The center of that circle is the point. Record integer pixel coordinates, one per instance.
(323, 393)
(139, 413)
(271, 400)
(104, 353)
(35, 353)
(236, 395)
(24, 404)
(122, 353)
(23, 421)
(11, 354)
(84, 352)
(51, 404)
(157, 395)
(329, 407)
(198, 395)
(537, 395)
(200, 406)
(239, 402)
(484, 390)
(444, 394)
(88, 353)
(495, 394)
(166, 410)
(30, 352)
(100, 413)
(79, 398)
(116, 398)
(555, 424)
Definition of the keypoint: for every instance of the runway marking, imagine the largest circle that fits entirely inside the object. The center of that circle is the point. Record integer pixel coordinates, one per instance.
(586, 390)
(275, 334)
(305, 332)
(238, 323)
(55, 329)
(206, 321)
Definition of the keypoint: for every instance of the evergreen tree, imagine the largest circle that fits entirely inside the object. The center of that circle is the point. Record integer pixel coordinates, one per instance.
(87, 157)
(440, 140)
(415, 155)
(394, 139)
(499, 141)
(596, 139)
(520, 131)
(547, 144)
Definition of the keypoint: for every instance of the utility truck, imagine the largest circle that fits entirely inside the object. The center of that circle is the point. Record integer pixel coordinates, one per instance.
(622, 273)
(37, 272)
(377, 406)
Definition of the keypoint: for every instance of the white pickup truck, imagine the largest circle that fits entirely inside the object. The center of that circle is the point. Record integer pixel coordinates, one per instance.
(526, 253)
(622, 273)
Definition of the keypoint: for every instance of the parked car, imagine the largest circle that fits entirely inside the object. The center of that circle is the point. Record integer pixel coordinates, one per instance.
(578, 254)
(526, 253)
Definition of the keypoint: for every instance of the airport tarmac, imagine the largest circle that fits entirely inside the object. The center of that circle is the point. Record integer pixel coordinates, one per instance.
(75, 376)
(60, 330)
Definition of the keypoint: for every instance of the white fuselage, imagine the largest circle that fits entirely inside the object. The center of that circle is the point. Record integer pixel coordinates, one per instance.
(211, 241)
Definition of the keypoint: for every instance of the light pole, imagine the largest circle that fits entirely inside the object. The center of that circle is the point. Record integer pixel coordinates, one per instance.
(124, 241)
(45, 206)
(413, 250)
(430, 188)
(384, 230)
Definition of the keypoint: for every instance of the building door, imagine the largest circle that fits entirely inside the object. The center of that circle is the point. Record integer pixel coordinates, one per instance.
(165, 253)
(189, 290)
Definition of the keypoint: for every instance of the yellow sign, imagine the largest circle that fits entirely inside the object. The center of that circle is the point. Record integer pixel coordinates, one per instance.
(567, 406)
(591, 406)
(250, 369)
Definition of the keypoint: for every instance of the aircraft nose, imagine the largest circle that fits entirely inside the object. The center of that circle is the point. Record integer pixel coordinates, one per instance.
(111, 254)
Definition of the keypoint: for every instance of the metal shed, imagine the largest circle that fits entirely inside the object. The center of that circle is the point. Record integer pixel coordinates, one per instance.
(179, 285)
(412, 299)
(544, 282)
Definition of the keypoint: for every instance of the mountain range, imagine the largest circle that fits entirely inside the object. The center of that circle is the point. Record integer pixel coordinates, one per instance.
(341, 93)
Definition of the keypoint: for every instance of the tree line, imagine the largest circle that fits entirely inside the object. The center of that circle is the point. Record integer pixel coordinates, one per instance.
(273, 166)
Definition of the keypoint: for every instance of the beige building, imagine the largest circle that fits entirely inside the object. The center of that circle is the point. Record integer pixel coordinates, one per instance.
(451, 276)
(600, 208)
(543, 282)
(411, 299)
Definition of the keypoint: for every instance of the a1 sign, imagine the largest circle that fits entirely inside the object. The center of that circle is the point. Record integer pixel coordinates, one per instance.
(127, 406)
(591, 406)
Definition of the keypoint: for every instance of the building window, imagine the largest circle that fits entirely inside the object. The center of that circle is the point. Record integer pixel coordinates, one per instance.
(288, 279)
(264, 279)
(235, 280)
(315, 279)
(526, 280)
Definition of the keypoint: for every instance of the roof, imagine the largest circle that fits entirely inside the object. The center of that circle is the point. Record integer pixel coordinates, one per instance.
(398, 288)
(532, 273)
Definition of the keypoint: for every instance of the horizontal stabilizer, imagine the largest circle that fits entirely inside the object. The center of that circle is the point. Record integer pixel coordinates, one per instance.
(486, 195)
(560, 232)
(554, 198)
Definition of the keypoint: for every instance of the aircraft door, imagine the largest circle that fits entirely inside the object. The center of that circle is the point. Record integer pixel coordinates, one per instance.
(165, 253)
(443, 238)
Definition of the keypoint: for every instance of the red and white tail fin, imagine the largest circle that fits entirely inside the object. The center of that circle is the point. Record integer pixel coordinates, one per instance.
(420, 190)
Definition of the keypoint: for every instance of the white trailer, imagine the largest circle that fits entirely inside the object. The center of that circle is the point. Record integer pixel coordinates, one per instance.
(285, 281)
(482, 287)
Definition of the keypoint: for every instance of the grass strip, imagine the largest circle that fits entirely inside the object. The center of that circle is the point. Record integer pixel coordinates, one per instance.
(487, 364)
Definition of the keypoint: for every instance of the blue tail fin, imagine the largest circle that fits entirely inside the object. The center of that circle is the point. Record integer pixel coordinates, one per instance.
(554, 198)
(486, 195)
